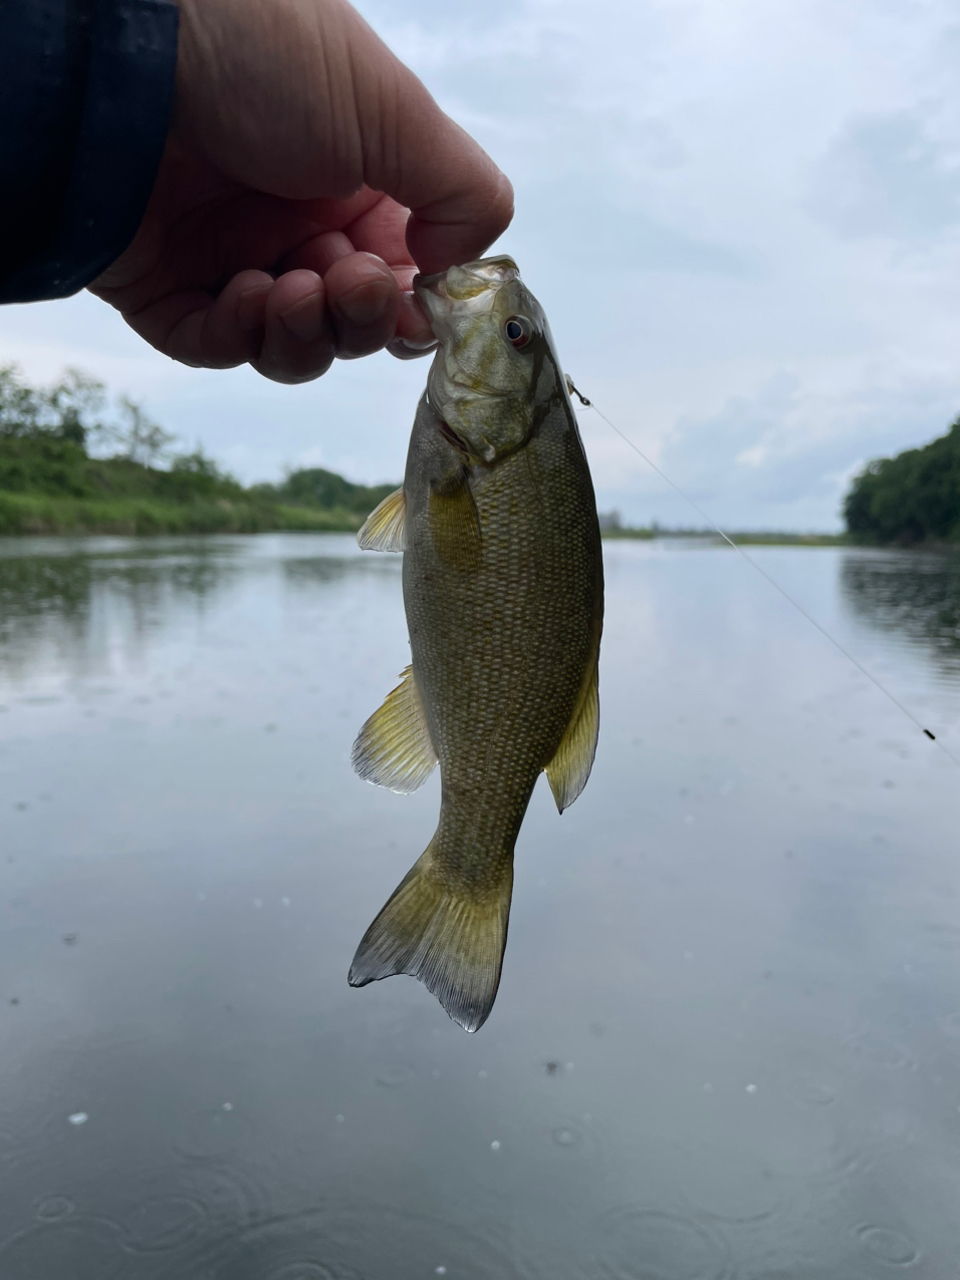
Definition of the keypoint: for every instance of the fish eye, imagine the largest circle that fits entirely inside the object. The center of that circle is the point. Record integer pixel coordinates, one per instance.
(518, 330)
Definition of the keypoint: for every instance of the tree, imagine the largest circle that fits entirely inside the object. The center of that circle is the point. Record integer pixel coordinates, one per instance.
(67, 410)
(141, 439)
(74, 405)
(911, 497)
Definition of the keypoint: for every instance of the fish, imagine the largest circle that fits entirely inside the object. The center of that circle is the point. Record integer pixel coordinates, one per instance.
(503, 595)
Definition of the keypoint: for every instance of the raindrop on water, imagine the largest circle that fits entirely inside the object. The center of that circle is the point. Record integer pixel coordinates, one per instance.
(55, 1207)
(393, 1077)
(651, 1244)
(888, 1245)
(566, 1137)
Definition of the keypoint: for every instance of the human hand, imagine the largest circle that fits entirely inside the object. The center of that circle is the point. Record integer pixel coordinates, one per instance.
(307, 177)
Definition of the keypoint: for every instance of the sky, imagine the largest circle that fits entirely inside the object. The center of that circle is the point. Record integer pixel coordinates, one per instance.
(741, 216)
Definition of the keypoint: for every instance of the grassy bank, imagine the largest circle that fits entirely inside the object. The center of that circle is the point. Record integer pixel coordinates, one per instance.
(64, 470)
(27, 513)
(741, 539)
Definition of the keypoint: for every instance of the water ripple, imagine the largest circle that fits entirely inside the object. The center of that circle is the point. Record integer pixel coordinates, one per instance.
(651, 1244)
(166, 1224)
(216, 1131)
(395, 1076)
(55, 1207)
(306, 1271)
(53, 1249)
(211, 1202)
(885, 1052)
(567, 1136)
(337, 1242)
(731, 1187)
(811, 1091)
(888, 1245)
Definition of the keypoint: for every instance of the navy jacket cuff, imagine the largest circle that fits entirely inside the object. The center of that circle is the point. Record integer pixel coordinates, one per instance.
(124, 119)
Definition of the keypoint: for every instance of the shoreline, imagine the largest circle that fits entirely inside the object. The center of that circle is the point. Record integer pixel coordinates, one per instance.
(37, 515)
(29, 515)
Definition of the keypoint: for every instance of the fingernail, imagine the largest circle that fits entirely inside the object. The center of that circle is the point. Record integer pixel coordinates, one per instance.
(367, 303)
(404, 349)
(251, 306)
(305, 319)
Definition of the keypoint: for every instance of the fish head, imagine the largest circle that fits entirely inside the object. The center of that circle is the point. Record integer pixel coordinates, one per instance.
(495, 364)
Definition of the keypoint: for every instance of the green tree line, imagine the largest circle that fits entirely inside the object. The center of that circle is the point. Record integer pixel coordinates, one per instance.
(914, 497)
(68, 464)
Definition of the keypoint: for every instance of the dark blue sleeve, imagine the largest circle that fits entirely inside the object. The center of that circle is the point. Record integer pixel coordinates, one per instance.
(86, 91)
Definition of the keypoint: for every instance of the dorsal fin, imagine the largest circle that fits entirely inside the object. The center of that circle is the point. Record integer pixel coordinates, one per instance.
(385, 527)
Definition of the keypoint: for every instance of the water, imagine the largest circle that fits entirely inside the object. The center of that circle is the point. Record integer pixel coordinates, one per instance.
(727, 1041)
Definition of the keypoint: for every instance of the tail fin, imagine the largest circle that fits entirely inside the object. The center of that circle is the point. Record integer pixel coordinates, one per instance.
(453, 943)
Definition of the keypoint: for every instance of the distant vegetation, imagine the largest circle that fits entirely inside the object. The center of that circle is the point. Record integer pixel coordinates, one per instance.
(914, 497)
(67, 467)
(748, 538)
(314, 489)
(611, 526)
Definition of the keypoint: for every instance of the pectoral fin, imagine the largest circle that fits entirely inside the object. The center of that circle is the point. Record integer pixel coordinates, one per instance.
(393, 749)
(569, 769)
(385, 527)
(455, 527)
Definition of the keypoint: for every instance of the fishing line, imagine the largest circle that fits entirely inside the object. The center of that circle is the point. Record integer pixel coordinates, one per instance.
(763, 573)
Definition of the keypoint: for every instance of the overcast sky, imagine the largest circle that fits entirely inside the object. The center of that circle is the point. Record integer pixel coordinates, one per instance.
(741, 216)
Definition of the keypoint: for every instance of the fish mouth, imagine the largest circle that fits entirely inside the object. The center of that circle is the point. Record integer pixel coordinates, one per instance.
(471, 286)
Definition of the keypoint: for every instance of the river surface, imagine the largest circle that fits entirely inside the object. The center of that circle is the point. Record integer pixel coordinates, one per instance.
(727, 1040)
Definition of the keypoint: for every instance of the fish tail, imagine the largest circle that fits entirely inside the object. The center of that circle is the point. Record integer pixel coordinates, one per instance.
(450, 939)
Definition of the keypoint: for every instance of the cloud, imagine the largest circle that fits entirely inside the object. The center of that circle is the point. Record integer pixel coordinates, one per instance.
(888, 176)
(793, 446)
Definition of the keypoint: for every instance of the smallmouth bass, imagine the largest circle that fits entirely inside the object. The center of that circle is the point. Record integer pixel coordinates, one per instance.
(503, 592)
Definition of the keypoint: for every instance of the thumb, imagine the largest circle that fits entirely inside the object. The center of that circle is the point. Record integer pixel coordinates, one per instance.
(459, 201)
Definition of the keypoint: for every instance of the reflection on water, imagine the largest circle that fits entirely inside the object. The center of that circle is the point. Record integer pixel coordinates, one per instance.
(727, 1042)
(913, 596)
(60, 601)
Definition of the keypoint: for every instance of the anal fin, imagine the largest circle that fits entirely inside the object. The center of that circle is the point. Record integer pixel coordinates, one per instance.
(393, 749)
(569, 769)
(385, 527)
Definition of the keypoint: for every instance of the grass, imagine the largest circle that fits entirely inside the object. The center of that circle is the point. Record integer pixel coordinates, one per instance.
(32, 513)
(741, 539)
(27, 513)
